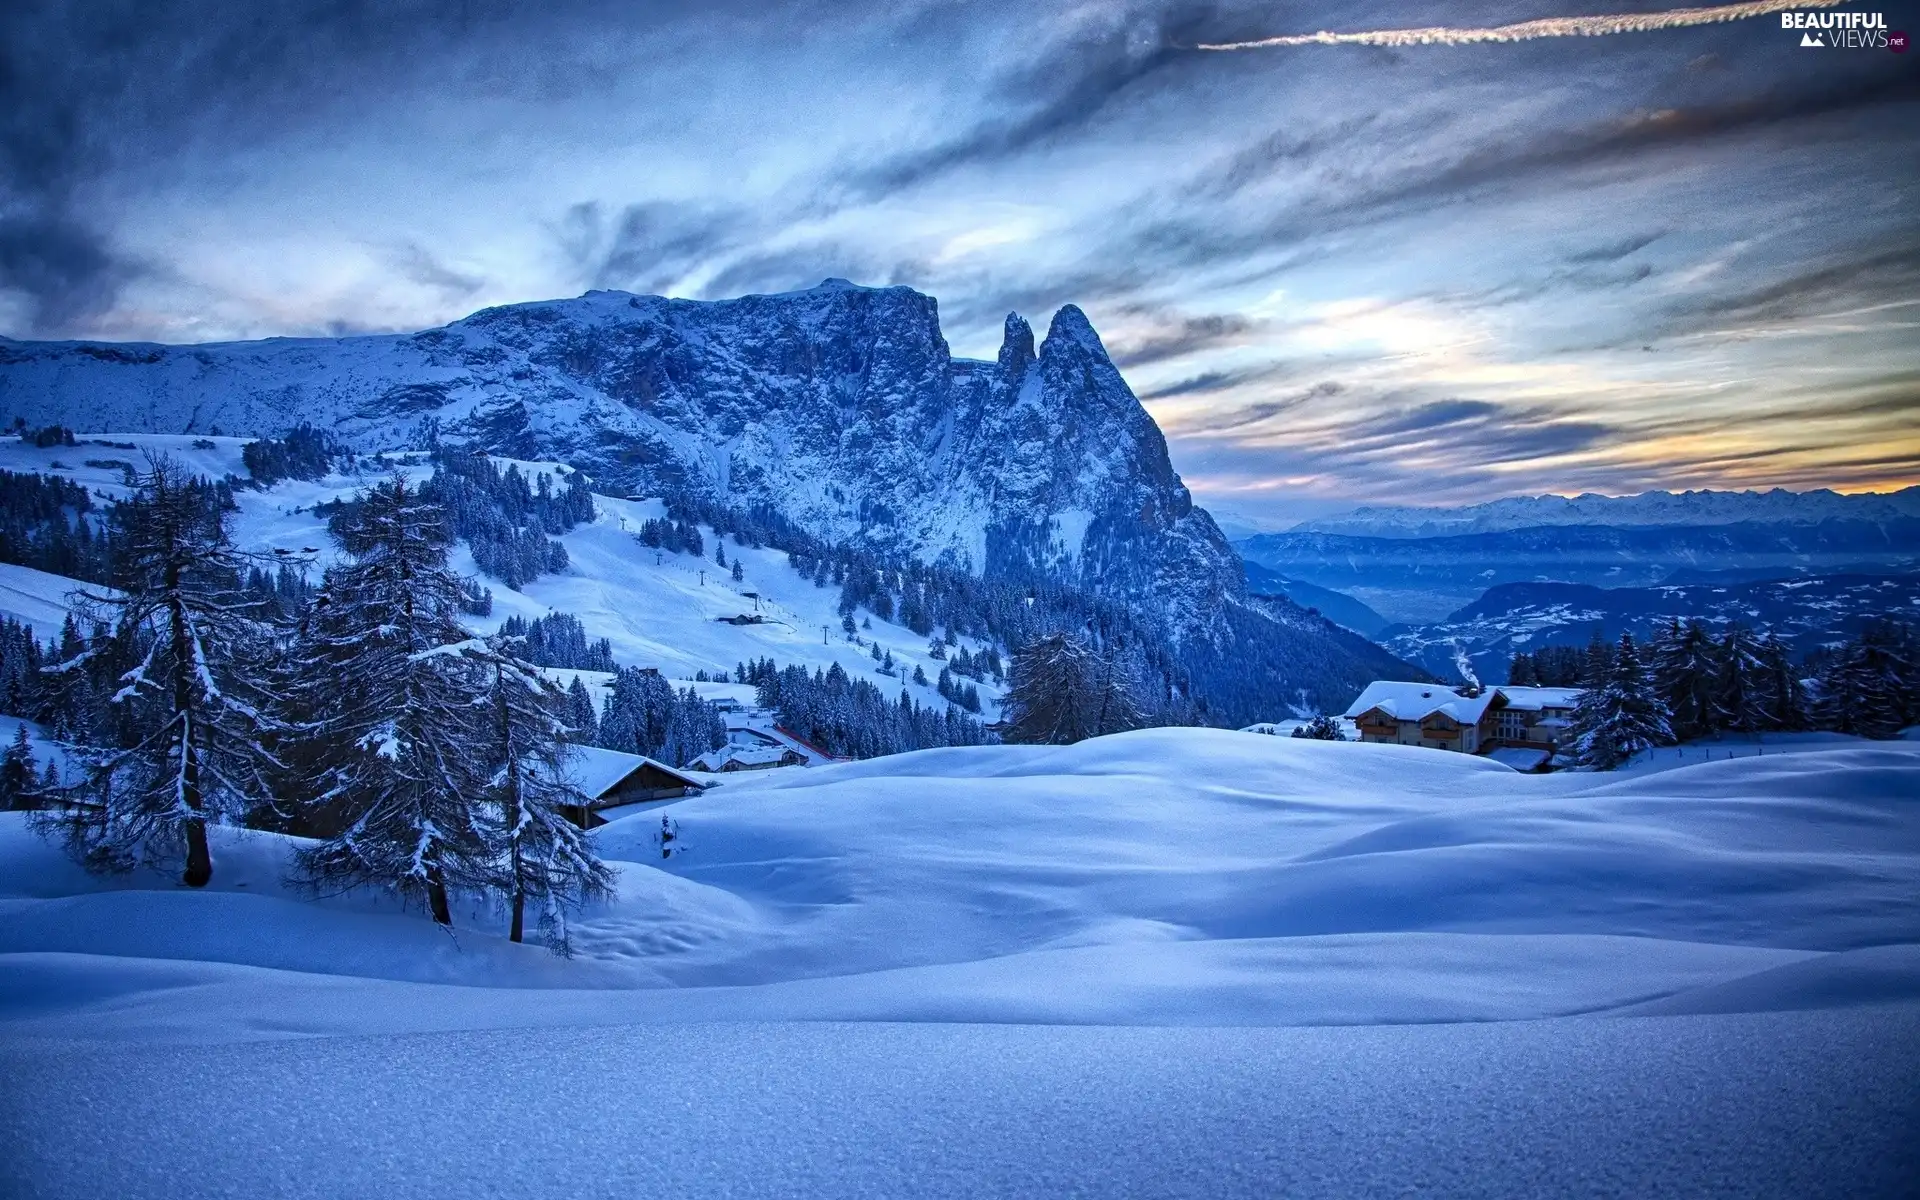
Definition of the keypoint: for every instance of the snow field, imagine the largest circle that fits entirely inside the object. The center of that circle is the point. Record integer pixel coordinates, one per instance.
(1166, 877)
(1794, 1105)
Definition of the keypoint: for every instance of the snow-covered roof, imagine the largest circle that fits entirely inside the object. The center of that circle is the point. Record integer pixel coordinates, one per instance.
(1520, 758)
(1535, 698)
(596, 771)
(1418, 701)
(746, 756)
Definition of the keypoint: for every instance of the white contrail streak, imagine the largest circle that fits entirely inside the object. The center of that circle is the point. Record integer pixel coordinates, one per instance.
(1524, 31)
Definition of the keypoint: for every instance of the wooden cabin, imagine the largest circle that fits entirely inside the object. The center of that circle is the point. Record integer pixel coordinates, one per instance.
(611, 779)
(1427, 714)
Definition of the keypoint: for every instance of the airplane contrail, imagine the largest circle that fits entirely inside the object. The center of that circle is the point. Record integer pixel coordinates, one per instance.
(1524, 31)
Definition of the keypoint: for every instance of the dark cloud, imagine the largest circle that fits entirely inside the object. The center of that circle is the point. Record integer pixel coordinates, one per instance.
(1615, 250)
(1212, 381)
(1855, 276)
(1174, 336)
(423, 268)
(648, 247)
(1393, 186)
(1066, 88)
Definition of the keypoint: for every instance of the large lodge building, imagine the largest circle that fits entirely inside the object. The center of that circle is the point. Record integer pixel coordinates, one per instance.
(1521, 726)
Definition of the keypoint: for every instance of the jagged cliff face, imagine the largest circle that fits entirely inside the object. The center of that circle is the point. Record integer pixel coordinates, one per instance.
(839, 406)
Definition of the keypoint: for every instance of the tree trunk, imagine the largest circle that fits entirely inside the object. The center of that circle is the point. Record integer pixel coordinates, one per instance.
(518, 932)
(437, 897)
(199, 870)
(199, 861)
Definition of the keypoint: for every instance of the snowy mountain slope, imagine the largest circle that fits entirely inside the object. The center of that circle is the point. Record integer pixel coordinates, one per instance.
(1165, 877)
(35, 598)
(1775, 507)
(840, 407)
(658, 609)
(1806, 613)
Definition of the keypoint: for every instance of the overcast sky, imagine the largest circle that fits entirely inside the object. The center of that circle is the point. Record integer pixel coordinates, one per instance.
(1335, 273)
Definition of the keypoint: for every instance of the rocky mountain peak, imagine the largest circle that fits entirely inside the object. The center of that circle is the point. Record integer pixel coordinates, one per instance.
(1016, 347)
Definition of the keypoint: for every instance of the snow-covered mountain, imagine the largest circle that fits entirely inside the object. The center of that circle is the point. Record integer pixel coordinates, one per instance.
(839, 407)
(1778, 506)
(838, 410)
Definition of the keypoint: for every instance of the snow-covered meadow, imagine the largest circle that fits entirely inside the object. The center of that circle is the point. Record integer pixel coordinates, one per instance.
(1157, 945)
(1171, 962)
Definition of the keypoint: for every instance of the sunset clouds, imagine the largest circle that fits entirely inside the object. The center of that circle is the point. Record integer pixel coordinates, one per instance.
(1685, 257)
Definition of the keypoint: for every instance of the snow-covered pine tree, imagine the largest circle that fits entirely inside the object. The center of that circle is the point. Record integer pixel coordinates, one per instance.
(1739, 683)
(583, 725)
(542, 856)
(1863, 690)
(1520, 672)
(1117, 708)
(1063, 692)
(1320, 729)
(190, 719)
(16, 772)
(1784, 697)
(1685, 670)
(398, 746)
(1596, 665)
(1622, 716)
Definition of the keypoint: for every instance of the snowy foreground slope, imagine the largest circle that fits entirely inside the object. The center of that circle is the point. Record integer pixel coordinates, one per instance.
(1110, 958)
(1163, 877)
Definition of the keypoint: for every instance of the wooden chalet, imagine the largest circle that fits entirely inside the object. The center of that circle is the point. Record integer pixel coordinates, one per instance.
(1520, 726)
(611, 779)
(1427, 714)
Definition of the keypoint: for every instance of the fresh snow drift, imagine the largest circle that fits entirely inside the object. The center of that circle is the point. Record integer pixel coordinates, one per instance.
(1162, 877)
(1026, 971)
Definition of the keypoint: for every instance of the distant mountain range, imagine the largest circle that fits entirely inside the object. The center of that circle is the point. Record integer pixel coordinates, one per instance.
(1337, 607)
(1423, 578)
(1806, 613)
(1694, 508)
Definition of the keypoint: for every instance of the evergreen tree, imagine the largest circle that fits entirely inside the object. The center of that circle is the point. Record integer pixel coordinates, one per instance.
(1863, 690)
(1062, 692)
(1784, 697)
(1622, 716)
(543, 857)
(1596, 667)
(739, 572)
(644, 715)
(1520, 672)
(1739, 683)
(400, 758)
(1320, 729)
(16, 772)
(192, 720)
(583, 725)
(1685, 673)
